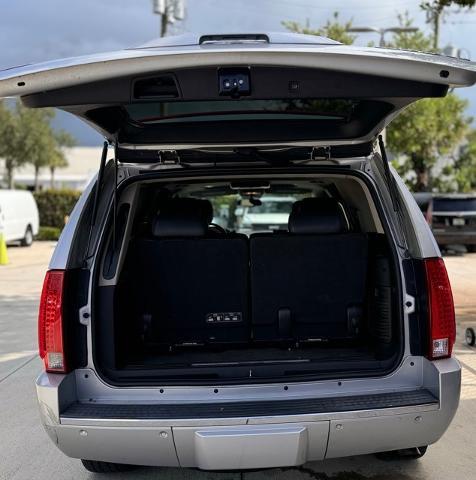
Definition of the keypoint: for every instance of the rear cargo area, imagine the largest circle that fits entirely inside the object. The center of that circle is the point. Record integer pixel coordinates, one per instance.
(197, 294)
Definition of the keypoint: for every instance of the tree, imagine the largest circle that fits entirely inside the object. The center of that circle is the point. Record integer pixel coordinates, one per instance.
(424, 133)
(26, 136)
(411, 40)
(435, 9)
(427, 130)
(58, 160)
(9, 143)
(461, 176)
(36, 141)
(334, 29)
(465, 166)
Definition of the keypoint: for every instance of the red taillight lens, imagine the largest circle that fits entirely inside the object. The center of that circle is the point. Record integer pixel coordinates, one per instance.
(50, 327)
(440, 308)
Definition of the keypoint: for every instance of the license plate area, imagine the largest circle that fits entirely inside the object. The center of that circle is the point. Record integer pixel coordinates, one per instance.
(241, 447)
(458, 222)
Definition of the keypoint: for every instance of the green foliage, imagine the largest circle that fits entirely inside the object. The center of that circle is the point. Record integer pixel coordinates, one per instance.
(26, 136)
(465, 166)
(427, 129)
(48, 233)
(334, 29)
(418, 40)
(440, 5)
(461, 175)
(425, 132)
(55, 206)
(35, 140)
(64, 139)
(9, 142)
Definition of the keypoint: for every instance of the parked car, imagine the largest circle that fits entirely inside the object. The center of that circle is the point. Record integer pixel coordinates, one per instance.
(19, 220)
(270, 214)
(167, 342)
(452, 218)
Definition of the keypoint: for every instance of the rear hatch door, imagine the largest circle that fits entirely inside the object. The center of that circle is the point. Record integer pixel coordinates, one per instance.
(193, 92)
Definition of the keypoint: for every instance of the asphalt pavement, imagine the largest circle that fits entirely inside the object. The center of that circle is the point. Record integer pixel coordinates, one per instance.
(27, 453)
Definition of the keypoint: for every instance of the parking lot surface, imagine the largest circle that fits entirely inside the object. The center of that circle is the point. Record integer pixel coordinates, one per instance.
(27, 453)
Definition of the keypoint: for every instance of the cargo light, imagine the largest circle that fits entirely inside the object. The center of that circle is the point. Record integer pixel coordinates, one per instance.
(50, 318)
(442, 326)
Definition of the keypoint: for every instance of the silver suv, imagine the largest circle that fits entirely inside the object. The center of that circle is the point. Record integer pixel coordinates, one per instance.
(169, 340)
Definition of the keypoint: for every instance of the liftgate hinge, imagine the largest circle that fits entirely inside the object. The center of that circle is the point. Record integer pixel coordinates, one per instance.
(321, 153)
(169, 157)
(366, 167)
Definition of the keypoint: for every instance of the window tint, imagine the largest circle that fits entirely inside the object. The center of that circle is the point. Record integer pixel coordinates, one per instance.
(312, 109)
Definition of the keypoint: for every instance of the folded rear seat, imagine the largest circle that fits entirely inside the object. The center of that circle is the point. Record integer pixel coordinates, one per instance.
(308, 284)
(195, 284)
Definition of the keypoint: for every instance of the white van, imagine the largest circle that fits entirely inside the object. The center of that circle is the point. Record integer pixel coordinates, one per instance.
(19, 220)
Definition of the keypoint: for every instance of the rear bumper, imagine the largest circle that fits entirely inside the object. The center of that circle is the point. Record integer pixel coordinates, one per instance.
(268, 434)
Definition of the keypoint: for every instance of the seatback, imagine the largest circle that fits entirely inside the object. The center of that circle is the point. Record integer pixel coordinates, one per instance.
(308, 284)
(195, 285)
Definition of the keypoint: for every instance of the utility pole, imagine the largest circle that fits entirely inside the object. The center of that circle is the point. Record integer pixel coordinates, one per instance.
(169, 11)
(434, 11)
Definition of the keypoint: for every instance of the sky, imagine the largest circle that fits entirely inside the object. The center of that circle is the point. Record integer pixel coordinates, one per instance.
(32, 30)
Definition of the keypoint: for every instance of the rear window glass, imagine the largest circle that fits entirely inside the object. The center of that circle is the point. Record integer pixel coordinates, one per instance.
(245, 214)
(273, 206)
(454, 204)
(312, 109)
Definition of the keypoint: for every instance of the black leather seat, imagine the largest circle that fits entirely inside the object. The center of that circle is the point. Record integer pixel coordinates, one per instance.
(195, 284)
(308, 284)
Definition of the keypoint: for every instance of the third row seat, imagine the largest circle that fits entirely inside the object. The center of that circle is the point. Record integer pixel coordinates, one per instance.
(200, 287)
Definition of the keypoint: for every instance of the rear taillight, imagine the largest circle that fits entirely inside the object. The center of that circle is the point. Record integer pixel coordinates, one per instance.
(50, 322)
(440, 308)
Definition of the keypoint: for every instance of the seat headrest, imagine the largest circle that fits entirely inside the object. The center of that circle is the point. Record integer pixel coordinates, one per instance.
(207, 210)
(317, 215)
(182, 217)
